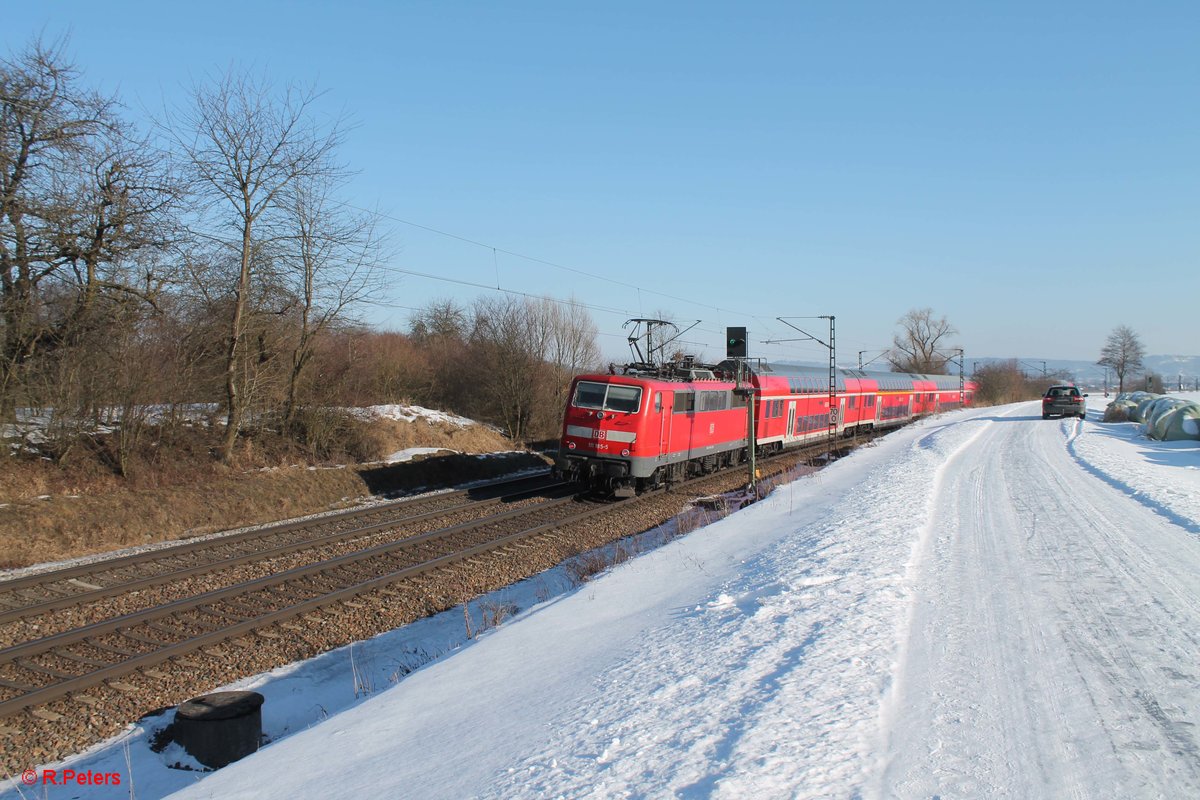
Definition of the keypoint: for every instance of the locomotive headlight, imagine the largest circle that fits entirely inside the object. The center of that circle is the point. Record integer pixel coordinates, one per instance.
(570, 445)
(625, 452)
(599, 415)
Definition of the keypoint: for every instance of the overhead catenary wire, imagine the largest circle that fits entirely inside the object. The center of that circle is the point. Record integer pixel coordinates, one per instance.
(499, 287)
(542, 261)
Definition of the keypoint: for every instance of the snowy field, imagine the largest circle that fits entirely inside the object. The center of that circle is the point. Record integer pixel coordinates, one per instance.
(984, 604)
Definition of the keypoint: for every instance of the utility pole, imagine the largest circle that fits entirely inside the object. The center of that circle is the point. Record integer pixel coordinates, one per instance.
(831, 346)
(737, 348)
(962, 377)
(878, 355)
(962, 380)
(751, 441)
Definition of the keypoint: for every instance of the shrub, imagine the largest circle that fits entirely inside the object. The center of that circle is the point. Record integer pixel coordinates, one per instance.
(331, 434)
(1116, 413)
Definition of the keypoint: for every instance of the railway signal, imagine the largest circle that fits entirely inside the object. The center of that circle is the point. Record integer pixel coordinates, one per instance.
(735, 343)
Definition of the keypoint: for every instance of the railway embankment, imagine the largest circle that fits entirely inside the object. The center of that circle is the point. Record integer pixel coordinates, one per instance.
(122, 673)
(51, 512)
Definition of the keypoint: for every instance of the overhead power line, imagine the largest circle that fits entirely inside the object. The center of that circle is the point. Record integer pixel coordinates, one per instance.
(716, 330)
(532, 259)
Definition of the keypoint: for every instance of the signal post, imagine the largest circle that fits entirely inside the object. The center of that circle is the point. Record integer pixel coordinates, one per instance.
(735, 348)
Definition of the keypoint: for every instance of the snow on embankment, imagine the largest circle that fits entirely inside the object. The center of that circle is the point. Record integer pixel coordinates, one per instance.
(1162, 475)
(751, 655)
(405, 413)
(407, 431)
(781, 651)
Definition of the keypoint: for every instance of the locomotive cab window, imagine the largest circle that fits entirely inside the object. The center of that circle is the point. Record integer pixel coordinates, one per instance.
(608, 397)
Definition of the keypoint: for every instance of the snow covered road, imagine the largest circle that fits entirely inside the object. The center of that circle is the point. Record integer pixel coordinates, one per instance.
(984, 604)
(1052, 648)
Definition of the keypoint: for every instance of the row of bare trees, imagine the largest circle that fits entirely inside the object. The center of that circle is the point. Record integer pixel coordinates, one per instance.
(507, 360)
(201, 261)
(211, 263)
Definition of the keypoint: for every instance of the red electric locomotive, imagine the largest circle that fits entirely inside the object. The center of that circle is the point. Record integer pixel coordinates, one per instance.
(645, 427)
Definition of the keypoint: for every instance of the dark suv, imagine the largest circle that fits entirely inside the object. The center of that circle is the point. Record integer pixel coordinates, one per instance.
(1066, 401)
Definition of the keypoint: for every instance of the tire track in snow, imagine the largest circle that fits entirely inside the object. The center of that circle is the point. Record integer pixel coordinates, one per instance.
(1133, 607)
(1048, 653)
(899, 678)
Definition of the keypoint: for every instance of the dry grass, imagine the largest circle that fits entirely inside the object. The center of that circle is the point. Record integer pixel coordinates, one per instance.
(1116, 413)
(50, 512)
(587, 565)
(396, 435)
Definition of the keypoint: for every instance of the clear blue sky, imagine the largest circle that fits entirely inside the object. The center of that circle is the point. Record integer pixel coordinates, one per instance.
(1031, 170)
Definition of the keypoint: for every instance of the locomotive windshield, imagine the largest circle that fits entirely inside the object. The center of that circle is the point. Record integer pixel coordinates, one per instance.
(608, 397)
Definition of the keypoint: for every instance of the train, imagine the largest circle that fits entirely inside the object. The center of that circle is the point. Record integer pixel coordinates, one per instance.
(642, 427)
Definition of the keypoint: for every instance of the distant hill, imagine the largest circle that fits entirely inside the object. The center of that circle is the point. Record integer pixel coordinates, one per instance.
(1173, 369)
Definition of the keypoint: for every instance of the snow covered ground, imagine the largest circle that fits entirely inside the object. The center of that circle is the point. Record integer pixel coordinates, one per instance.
(984, 604)
(404, 413)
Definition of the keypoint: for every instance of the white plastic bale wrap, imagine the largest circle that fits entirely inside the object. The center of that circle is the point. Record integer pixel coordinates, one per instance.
(1163, 418)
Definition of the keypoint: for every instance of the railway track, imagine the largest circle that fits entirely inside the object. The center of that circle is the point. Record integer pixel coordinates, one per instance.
(32, 596)
(114, 652)
(48, 668)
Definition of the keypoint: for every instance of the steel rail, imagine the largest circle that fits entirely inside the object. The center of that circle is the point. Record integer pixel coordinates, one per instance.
(42, 695)
(248, 619)
(158, 579)
(45, 580)
(46, 644)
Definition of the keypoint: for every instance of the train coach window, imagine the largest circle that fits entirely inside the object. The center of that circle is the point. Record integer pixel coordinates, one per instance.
(714, 401)
(658, 402)
(608, 396)
(685, 402)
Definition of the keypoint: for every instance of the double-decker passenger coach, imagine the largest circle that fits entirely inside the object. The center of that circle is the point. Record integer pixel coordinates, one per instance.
(647, 426)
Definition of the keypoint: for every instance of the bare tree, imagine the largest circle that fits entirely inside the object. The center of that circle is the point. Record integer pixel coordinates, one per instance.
(83, 205)
(507, 355)
(571, 348)
(246, 146)
(332, 258)
(523, 353)
(1122, 353)
(440, 331)
(440, 319)
(917, 346)
(572, 341)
